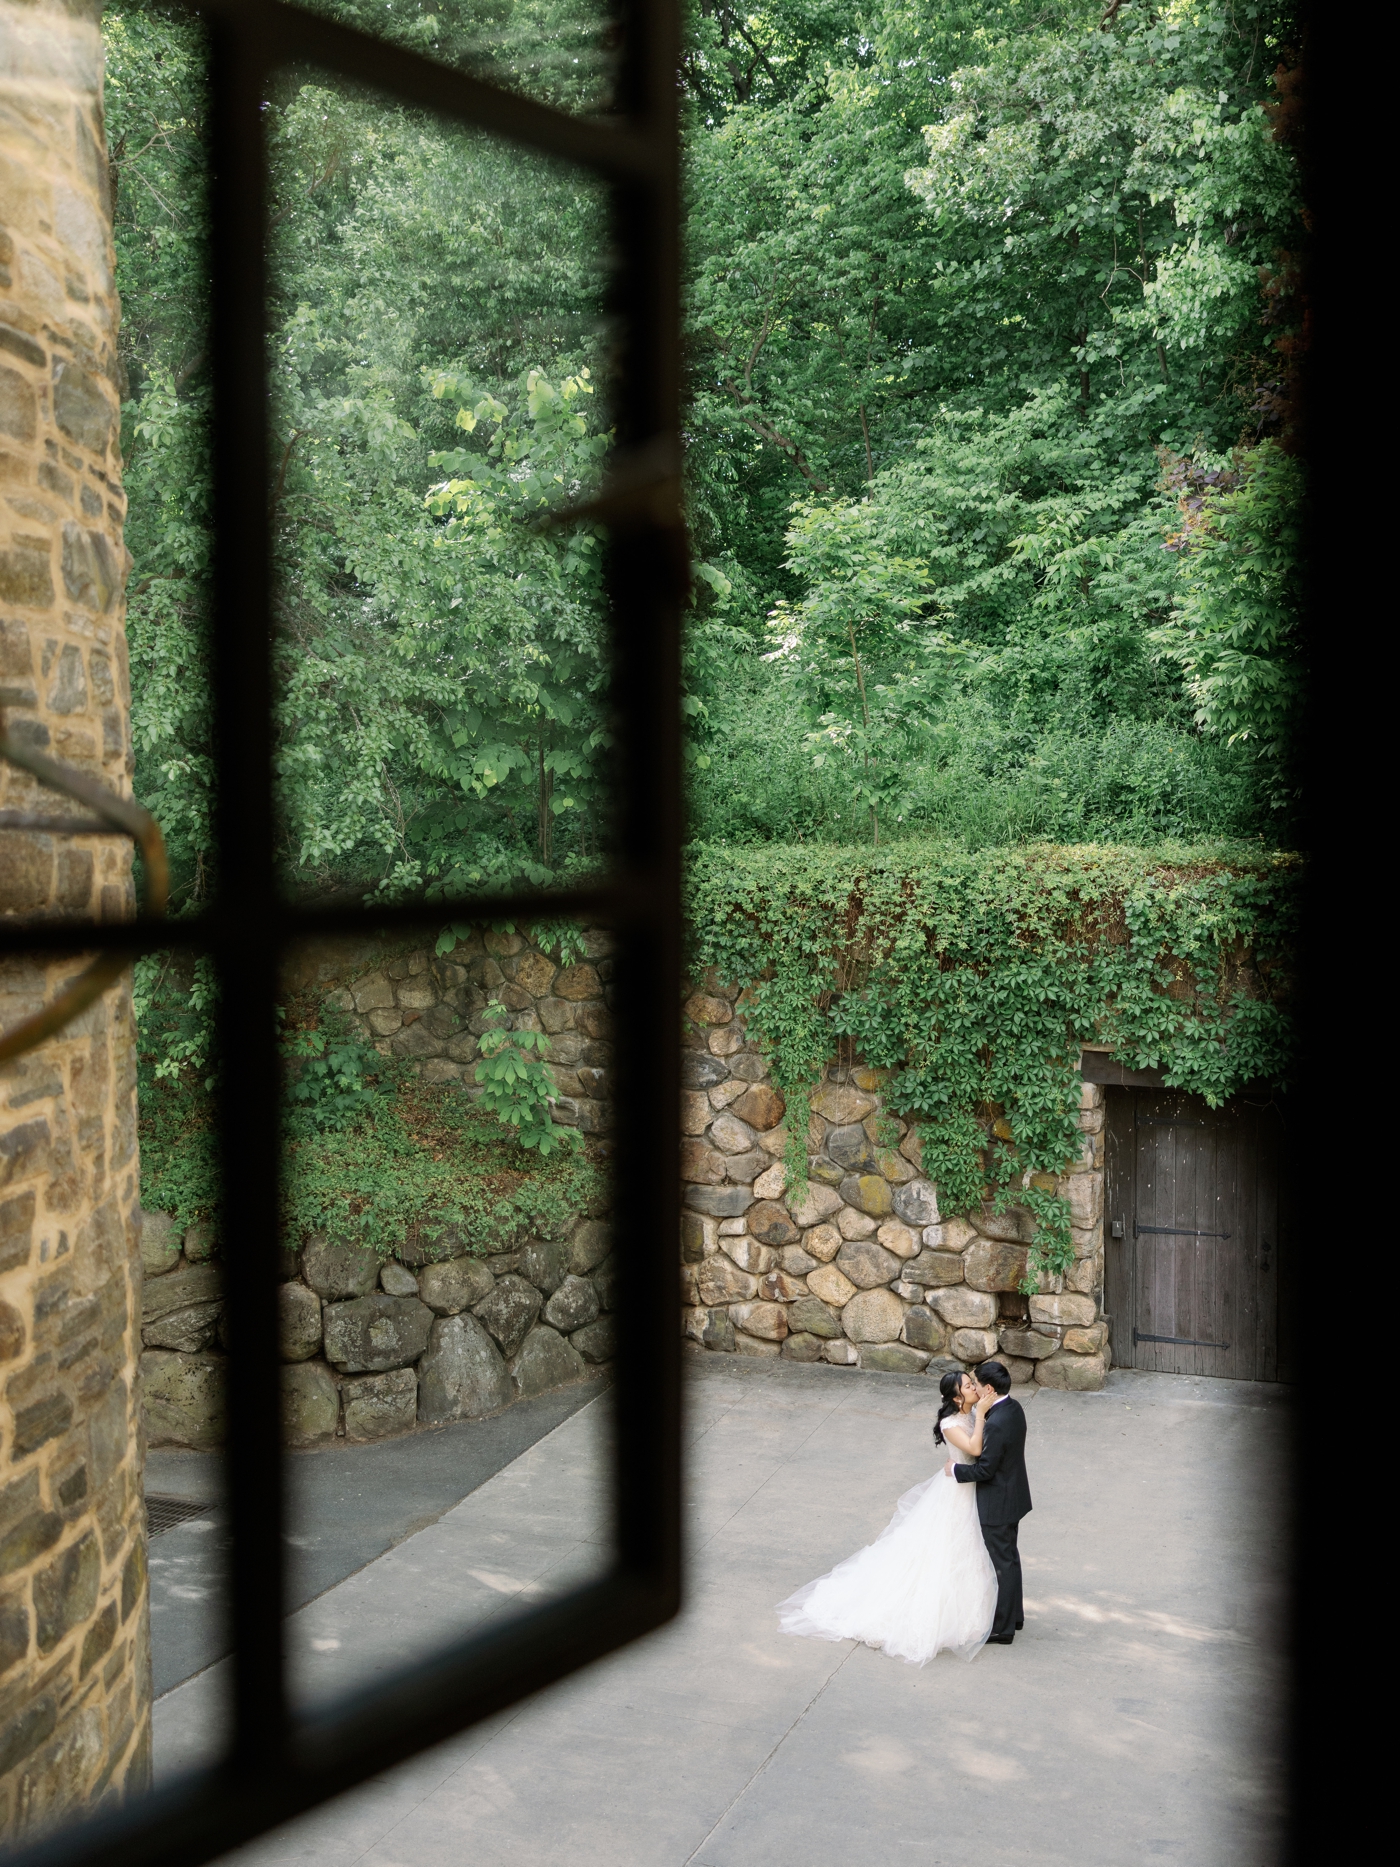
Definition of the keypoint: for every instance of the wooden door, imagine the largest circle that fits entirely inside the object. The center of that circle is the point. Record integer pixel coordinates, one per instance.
(1194, 1226)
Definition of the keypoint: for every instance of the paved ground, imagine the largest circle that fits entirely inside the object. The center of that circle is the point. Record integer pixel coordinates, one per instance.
(347, 1505)
(1133, 1721)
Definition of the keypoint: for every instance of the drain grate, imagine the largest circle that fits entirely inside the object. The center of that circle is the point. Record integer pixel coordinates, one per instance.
(163, 1513)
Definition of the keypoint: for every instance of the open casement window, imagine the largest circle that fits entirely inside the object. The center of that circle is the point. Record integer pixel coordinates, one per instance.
(280, 1758)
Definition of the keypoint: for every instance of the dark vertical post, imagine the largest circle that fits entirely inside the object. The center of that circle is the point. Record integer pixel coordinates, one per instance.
(245, 913)
(647, 577)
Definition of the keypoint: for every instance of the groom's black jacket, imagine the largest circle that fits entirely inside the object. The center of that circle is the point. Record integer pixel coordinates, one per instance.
(1003, 1491)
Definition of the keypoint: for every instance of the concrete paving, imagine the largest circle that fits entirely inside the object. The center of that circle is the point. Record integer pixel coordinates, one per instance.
(346, 1506)
(1135, 1720)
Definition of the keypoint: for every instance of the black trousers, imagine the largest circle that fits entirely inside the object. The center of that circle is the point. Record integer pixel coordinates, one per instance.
(1000, 1539)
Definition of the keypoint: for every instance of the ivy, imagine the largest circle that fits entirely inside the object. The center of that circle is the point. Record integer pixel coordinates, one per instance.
(973, 978)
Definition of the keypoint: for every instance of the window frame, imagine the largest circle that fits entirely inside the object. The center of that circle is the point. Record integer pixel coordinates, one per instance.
(277, 1765)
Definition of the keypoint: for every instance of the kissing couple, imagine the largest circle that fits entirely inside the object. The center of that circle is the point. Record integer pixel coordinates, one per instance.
(944, 1572)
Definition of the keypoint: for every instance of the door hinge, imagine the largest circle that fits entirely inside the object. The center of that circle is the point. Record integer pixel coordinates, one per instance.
(1173, 1231)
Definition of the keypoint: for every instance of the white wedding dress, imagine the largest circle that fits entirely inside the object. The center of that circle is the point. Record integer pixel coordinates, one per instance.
(924, 1584)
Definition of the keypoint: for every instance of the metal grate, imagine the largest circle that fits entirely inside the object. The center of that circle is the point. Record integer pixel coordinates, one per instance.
(164, 1513)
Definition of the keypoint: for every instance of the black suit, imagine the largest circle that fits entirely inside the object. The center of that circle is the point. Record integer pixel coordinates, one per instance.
(1003, 1499)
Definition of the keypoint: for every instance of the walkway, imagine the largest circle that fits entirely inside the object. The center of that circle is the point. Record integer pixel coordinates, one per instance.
(1134, 1721)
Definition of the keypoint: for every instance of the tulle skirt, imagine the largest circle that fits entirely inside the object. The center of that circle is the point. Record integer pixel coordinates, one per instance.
(924, 1584)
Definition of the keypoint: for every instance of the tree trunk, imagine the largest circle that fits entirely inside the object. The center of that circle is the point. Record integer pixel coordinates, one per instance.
(74, 1631)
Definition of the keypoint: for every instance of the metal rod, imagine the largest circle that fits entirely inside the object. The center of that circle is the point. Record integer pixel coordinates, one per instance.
(1173, 1231)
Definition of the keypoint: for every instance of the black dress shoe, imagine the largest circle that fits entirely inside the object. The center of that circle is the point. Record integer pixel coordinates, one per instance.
(1000, 1640)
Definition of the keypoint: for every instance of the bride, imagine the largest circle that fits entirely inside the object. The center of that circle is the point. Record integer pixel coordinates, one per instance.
(926, 1582)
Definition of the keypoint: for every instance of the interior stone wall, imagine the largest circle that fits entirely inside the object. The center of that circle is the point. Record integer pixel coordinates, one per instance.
(74, 1649)
(861, 1267)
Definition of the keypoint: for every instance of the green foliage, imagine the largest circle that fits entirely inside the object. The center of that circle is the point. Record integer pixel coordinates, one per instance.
(331, 1075)
(973, 979)
(516, 1086)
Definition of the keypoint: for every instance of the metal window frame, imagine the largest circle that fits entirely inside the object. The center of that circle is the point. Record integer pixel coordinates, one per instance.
(277, 1766)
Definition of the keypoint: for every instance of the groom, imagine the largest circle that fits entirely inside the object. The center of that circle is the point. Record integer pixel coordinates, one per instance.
(1003, 1494)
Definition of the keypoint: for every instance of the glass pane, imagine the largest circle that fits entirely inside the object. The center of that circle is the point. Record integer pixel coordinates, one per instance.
(448, 1288)
(439, 362)
(563, 52)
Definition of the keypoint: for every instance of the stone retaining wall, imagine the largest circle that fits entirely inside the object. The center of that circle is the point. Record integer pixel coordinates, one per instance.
(863, 1269)
(435, 1334)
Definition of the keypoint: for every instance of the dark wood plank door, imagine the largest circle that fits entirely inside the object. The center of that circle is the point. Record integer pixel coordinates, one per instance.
(1194, 1229)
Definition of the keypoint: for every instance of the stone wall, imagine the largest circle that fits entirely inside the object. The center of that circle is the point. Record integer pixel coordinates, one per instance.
(74, 1651)
(863, 1269)
(374, 1348)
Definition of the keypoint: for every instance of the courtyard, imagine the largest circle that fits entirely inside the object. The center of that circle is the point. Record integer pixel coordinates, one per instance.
(1137, 1718)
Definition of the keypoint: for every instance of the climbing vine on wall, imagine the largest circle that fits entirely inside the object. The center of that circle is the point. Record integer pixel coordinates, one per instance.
(973, 978)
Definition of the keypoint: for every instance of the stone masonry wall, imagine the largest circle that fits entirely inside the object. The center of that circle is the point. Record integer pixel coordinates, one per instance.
(74, 1651)
(435, 1334)
(863, 1269)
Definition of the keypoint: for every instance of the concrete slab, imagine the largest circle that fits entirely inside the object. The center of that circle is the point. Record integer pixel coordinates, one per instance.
(346, 1506)
(1135, 1720)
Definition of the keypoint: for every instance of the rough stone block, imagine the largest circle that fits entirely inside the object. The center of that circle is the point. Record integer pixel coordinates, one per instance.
(1086, 1341)
(802, 1348)
(338, 1271)
(695, 1112)
(822, 1242)
(699, 1070)
(922, 1329)
(1067, 1308)
(544, 1263)
(702, 1009)
(1084, 1195)
(817, 1204)
(868, 1193)
(898, 1238)
(769, 1222)
(719, 1202)
(545, 1360)
(831, 1285)
(842, 1354)
(373, 1333)
(853, 1224)
(461, 1375)
(1015, 1226)
(850, 1147)
(183, 1398)
(731, 1135)
(994, 1265)
(809, 1315)
(572, 1305)
(797, 1262)
(577, 983)
(696, 1237)
(749, 1255)
(310, 1403)
(892, 1358)
(589, 1245)
(396, 1280)
(459, 1284)
(949, 1235)
(509, 1312)
(771, 1181)
(761, 1106)
(1081, 1374)
(973, 1345)
(65, 1593)
(189, 1330)
(160, 1244)
(868, 1264)
(767, 1321)
(778, 1287)
(298, 1322)
(916, 1203)
(755, 1345)
(873, 1316)
(962, 1308)
(178, 1290)
(1027, 1345)
(597, 1341)
(745, 1169)
(838, 1103)
(934, 1269)
(719, 1283)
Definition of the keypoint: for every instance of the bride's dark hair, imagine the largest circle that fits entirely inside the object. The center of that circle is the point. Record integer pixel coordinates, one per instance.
(950, 1386)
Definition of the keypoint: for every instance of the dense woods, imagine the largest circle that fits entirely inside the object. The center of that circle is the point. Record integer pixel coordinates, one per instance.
(993, 320)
